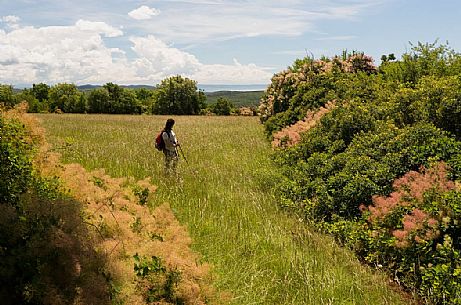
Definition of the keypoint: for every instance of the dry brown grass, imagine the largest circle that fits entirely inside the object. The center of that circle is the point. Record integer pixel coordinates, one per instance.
(125, 226)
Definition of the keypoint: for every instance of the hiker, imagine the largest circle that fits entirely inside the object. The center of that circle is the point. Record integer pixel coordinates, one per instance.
(169, 150)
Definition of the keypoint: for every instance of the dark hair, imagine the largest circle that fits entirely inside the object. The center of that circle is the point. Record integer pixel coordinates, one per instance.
(169, 124)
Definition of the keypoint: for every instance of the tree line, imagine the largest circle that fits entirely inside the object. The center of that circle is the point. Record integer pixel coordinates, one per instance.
(175, 95)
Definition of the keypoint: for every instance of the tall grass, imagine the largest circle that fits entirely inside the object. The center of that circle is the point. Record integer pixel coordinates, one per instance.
(224, 196)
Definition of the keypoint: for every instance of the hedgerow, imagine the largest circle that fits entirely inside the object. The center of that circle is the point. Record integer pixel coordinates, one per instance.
(392, 140)
(47, 255)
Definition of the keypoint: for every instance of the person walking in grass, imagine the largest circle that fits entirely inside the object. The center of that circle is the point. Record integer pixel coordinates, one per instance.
(169, 151)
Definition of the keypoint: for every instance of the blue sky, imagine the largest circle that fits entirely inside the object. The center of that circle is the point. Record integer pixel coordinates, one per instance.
(210, 41)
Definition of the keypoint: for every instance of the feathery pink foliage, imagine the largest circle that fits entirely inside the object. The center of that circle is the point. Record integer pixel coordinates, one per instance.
(291, 135)
(285, 83)
(410, 190)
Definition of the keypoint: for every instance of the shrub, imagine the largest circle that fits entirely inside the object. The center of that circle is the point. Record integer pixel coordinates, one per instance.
(383, 129)
(337, 182)
(47, 255)
(15, 160)
(415, 234)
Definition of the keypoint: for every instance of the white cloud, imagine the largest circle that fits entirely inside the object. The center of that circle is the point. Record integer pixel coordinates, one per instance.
(78, 54)
(156, 60)
(195, 21)
(10, 19)
(232, 74)
(341, 38)
(143, 13)
(98, 27)
(60, 54)
(162, 57)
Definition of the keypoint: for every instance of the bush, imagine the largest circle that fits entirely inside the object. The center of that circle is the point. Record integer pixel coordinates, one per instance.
(354, 173)
(15, 160)
(415, 234)
(47, 255)
(337, 182)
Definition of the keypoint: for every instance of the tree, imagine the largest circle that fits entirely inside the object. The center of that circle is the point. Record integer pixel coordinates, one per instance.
(115, 92)
(41, 92)
(27, 95)
(98, 101)
(222, 107)
(128, 103)
(7, 95)
(145, 98)
(64, 97)
(178, 95)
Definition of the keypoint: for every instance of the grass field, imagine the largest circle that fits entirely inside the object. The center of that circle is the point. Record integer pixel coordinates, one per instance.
(224, 196)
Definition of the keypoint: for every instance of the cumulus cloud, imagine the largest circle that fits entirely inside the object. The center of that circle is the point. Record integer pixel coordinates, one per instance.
(163, 57)
(232, 74)
(79, 54)
(60, 54)
(158, 60)
(11, 21)
(143, 13)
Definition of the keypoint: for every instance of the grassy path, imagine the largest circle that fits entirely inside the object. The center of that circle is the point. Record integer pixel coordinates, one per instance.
(224, 197)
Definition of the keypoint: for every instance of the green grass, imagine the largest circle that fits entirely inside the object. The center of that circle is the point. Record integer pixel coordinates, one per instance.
(259, 254)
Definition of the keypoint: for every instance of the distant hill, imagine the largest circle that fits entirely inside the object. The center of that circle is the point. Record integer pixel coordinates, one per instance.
(238, 98)
(89, 87)
(215, 88)
(239, 95)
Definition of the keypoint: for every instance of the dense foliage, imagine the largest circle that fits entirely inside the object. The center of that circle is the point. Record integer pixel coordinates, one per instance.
(46, 253)
(174, 95)
(222, 106)
(377, 170)
(178, 95)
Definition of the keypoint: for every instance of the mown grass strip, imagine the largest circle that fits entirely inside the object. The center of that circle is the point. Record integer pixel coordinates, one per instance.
(224, 196)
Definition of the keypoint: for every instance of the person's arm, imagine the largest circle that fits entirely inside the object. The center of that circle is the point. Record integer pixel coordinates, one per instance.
(175, 140)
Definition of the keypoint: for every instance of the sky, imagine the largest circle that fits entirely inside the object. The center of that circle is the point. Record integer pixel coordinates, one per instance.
(210, 41)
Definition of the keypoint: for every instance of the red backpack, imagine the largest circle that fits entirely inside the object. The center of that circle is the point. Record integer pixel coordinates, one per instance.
(159, 142)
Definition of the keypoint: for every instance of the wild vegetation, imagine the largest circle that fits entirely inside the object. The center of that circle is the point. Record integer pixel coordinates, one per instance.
(47, 254)
(69, 236)
(223, 194)
(372, 155)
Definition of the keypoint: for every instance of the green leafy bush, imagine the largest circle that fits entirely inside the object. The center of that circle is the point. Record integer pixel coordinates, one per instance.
(15, 160)
(362, 159)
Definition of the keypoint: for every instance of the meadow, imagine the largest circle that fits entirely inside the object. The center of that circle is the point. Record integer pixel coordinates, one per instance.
(224, 195)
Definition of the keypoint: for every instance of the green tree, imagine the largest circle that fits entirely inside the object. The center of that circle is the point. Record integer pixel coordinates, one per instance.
(222, 107)
(115, 93)
(41, 92)
(7, 97)
(64, 97)
(128, 103)
(145, 98)
(98, 100)
(178, 95)
(26, 95)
